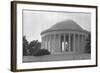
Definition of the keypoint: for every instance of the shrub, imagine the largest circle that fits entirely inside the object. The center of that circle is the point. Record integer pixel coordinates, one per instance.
(34, 46)
(88, 44)
(41, 52)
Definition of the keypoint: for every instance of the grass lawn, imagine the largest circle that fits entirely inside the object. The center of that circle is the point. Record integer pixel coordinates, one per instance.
(56, 57)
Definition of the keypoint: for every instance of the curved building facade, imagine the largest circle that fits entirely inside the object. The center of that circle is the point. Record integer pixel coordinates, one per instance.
(64, 36)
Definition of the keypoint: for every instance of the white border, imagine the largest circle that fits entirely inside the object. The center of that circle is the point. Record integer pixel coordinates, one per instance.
(34, 65)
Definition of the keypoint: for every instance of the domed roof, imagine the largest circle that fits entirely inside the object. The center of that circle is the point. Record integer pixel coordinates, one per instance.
(68, 24)
(65, 25)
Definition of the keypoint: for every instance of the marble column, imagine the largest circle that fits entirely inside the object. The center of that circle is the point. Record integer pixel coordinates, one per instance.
(42, 46)
(64, 42)
(74, 46)
(60, 43)
(50, 41)
(82, 43)
(45, 42)
(54, 42)
(78, 42)
(69, 42)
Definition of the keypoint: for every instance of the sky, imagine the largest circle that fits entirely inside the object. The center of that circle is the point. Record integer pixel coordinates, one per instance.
(34, 22)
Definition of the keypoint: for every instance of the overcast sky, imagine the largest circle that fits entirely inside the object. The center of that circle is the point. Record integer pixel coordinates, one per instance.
(34, 22)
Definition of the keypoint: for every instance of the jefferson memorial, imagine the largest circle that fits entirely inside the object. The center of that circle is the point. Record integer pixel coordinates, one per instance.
(65, 36)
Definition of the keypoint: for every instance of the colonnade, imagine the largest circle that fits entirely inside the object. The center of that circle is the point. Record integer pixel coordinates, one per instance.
(64, 42)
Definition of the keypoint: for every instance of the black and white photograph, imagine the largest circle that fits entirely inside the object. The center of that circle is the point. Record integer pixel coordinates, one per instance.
(53, 36)
(56, 36)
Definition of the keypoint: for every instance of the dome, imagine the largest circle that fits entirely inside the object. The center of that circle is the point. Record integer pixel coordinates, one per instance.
(66, 25)
(69, 25)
